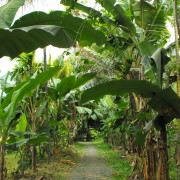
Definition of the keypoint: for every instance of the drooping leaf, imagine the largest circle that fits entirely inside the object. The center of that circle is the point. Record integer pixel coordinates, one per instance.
(80, 29)
(117, 87)
(65, 85)
(166, 102)
(83, 79)
(27, 39)
(8, 12)
(39, 29)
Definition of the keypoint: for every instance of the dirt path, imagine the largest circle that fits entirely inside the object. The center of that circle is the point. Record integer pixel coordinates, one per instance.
(90, 167)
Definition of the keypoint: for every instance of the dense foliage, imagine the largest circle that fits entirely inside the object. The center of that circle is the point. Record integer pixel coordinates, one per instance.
(118, 81)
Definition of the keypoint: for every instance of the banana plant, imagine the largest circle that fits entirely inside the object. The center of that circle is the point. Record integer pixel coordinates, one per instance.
(57, 94)
(164, 101)
(8, 117)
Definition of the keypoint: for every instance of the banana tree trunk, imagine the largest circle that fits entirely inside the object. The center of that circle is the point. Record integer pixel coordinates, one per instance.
(177, 38)
(34, 151)
(163, 158)
(2, 166)
(34, 159)
(149, 157)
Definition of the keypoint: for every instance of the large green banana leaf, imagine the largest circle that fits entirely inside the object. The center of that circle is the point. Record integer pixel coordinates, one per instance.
(8, 12)
(166, 101)
(143, 12)
(118, 87)
(152, 19)
(13, 42)
(69, 83)
(39, 29)
(85, 34)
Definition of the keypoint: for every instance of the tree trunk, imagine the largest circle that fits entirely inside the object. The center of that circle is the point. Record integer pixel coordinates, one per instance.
(34, 159)
(163, 158)
(177, 37)
(2, 166)
(150, 158)
(34, 151)
(56, 149)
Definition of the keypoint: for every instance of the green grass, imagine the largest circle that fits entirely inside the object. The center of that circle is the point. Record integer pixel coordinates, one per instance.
(79, 146)
(11, 162)
(122, 166)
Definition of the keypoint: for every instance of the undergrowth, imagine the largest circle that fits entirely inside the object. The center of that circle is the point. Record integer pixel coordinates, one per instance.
(57, 169)
(121, 166)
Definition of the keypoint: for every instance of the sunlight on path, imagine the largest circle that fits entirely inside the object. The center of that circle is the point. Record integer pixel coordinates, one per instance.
(91, 167)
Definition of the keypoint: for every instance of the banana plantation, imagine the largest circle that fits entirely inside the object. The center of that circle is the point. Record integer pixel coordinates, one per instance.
(116, 78)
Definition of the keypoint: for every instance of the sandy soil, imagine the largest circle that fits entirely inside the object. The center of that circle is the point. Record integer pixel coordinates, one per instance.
(90, 167)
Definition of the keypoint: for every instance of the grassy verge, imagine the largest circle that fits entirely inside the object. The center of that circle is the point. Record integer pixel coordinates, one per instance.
(57, 169)
(11, 162)
(122, 166)
(79, 146)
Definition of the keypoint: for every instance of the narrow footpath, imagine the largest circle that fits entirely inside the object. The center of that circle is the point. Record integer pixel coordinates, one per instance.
(91, 166)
